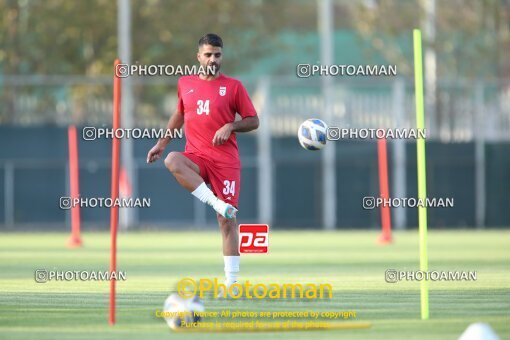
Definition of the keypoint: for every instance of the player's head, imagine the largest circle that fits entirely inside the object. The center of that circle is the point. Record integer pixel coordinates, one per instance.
(210, 52)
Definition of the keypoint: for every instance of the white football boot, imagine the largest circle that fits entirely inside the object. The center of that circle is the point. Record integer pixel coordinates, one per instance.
(224, 209)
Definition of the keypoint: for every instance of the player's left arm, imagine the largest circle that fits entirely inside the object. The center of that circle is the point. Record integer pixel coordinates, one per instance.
(243, 125)
(249, 121)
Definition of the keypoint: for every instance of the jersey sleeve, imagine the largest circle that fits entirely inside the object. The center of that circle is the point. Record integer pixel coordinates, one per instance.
(180, 104)
(244, 106)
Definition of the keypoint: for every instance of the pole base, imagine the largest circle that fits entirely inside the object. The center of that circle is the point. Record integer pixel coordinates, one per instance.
(74, 242)
(384, 239)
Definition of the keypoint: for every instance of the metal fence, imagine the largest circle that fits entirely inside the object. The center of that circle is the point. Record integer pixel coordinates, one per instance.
(464, 112)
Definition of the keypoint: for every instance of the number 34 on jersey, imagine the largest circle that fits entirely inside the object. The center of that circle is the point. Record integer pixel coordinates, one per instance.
(203, 107)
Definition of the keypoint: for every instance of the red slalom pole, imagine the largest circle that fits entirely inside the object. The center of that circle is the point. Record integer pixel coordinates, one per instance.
(74, 240)
(382, 156)
(114, 210)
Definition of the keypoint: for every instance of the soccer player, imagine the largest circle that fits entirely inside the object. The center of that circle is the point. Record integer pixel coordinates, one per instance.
(207, 105)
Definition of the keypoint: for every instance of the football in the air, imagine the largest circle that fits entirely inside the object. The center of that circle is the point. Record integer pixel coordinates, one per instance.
(312, 134)
(179, 311)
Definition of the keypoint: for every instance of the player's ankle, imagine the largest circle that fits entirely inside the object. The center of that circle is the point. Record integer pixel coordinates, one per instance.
(224, 209)
(232, 264)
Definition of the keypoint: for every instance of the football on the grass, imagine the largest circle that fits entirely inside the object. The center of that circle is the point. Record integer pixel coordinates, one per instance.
(181, 311)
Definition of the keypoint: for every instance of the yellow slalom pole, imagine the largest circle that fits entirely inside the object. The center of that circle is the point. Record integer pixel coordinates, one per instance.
(422, 171)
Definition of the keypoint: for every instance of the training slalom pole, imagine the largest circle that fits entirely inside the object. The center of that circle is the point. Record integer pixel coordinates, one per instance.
(382, 156)
(74, 240)
(422, 168)
(114, 210)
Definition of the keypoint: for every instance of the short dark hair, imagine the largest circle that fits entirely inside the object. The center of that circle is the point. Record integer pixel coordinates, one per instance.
(211, 39)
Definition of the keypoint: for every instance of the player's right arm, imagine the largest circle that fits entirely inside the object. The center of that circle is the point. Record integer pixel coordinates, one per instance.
(175, 122)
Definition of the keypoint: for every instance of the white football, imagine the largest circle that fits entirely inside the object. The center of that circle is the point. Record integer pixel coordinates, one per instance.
(312, 134)
(182, 310)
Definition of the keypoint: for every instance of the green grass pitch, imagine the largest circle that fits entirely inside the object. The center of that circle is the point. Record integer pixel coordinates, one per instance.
(351, 262)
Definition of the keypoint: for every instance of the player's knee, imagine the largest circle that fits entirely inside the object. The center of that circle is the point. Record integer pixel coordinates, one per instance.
(172, 162)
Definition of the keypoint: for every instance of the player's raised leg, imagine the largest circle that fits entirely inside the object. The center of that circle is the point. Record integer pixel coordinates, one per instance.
(185, 171)
(187, 174)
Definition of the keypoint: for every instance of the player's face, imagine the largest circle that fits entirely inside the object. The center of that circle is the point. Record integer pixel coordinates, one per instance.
(209, 55)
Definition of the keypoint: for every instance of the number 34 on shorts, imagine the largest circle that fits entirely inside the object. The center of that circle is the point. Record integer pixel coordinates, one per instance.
(229, 187)
(226, 184)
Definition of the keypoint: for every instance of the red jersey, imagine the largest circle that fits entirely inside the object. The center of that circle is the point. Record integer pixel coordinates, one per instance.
(207, 106)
